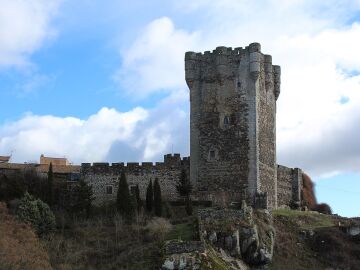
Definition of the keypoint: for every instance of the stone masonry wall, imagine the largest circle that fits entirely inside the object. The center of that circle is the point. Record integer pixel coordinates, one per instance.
(267, 129)
(104, 177)
(233, 96)
(289, 185)
(219, 124)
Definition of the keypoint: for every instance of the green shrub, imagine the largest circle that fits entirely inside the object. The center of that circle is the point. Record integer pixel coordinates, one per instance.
(37, 213)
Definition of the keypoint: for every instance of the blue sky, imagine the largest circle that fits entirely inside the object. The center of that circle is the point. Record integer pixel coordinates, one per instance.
(104, 80)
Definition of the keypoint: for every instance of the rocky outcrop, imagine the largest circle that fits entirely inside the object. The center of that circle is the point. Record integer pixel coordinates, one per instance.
(182, 254)
(242, 234)
(228, 237)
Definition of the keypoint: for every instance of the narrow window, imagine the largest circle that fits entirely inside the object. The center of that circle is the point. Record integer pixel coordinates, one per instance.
(226, 120)
(109, 189)
(212, 154)
(239, 84)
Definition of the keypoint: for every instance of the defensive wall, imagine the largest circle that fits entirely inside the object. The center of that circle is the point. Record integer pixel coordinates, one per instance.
(289, 185)
(104, 177)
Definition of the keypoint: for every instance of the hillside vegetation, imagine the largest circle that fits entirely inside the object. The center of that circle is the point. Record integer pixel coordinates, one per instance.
(310, 240)
(20, 248)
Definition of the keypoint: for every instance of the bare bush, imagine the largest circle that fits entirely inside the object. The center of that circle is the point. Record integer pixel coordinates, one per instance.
(308, 194)
(158, 228)
(323, 208)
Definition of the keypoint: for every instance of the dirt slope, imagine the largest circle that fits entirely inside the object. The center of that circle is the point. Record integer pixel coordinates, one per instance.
(309, 240)
(19, 246)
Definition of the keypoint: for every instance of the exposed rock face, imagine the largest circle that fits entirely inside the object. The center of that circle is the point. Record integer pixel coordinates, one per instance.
(182, 255)
(242, 234)
(233, 237)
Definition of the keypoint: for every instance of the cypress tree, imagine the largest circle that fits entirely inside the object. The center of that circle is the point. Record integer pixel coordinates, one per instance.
(157, 198)
(188, 206)
(149, 197)
(138, 199)
(123, 201)
(83, 196)
(50, 185)
(184, 188)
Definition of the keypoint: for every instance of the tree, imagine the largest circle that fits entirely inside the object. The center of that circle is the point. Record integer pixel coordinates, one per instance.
(124, 201)
(11, 188)
(157, 198)
(82, 198)
(138, 199)
(35, 184)
(37, 213)
(184, 188)
(188, 206)
(149, 197)
(50, 185)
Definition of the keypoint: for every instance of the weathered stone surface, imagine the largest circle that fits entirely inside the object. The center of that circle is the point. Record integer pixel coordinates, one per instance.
(232, 120)
(105, 178)
(178, 247)
(242, 234)
(182, 254)
(289, 183)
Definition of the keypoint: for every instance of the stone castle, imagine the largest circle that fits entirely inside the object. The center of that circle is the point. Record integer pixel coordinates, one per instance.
(233, 95)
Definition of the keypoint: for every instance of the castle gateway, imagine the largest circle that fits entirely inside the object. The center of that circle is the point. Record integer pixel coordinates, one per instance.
(233, 95)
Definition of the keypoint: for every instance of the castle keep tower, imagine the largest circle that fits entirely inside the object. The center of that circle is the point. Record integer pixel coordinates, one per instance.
(233, 95)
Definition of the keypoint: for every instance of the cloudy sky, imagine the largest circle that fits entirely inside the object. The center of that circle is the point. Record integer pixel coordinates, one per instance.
(104, 80)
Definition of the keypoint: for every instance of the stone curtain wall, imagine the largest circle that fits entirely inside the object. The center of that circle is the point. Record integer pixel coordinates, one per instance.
(289, 183)
(102, 175)
(284, 184)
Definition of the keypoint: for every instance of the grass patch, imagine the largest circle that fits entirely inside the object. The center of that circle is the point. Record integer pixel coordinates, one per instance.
(307, 220)
(215, 261)
(183, 231)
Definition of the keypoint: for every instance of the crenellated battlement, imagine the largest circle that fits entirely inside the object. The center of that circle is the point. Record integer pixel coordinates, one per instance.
(170, 161)
(223, 63)
(222, 50)
(104, 177)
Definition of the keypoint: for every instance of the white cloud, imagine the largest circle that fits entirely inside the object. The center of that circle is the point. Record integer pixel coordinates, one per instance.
(24, 26)
(155, 60)
(108, 135)
(80, 140)
(312, 41)
(315, 46)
